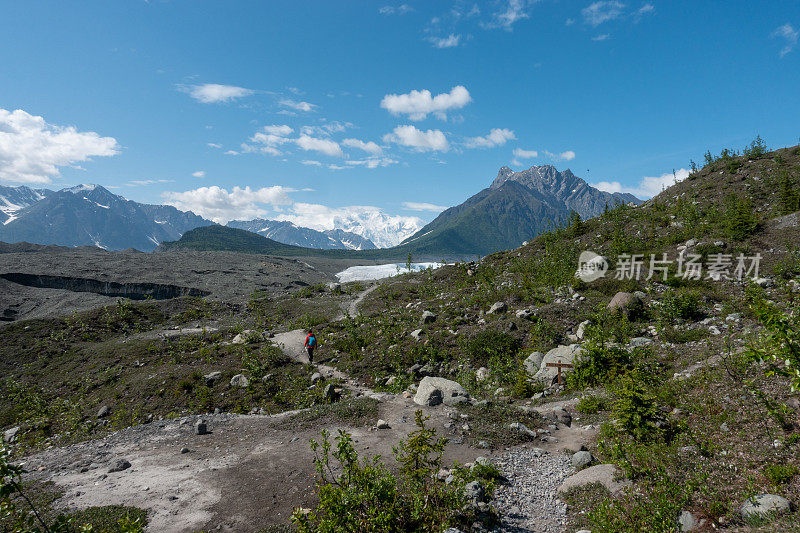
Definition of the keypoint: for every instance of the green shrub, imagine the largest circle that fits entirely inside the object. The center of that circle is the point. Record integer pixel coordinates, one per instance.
(780, 474)
(676, 305)
(590, 405)
(779, 345)
(366, 496)
(495, 350)
(598, 364)
(636, 410)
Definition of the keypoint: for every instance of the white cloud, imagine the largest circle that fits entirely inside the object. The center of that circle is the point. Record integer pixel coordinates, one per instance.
(269, 138)
(600, 12)
(569, 155)
(514, 12)
(31, 150)
(369, 147)
(279, 130)
(142, 183)
(371, 162)
(647, 187)
(496, 137)
(214, 93)
(519, 153)
(199, 174)
(323, 146)
(327, 128)
(645, 9)
(297, 106)
(371, 222)
(601, 37)
(311, 163)
(423, 141)
(418, 104)
(569, 22)
(422, 206)
(790, 36)
(450, 41)
(219, 205)
(399, 10)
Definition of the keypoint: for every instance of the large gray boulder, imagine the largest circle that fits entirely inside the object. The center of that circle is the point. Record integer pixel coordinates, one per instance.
(533, 362)
(433, 391)
(624, 302)
(566, 354)
(427, 317)
(605, 474)
(240, 380)
(496, 308)
(763, 505)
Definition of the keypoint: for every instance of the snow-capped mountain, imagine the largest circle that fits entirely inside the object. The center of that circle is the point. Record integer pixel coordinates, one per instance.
(14, 199)
(290, 233)
(90, 215)
(371, 223)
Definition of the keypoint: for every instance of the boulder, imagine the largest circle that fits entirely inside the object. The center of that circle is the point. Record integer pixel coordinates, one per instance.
(417, 334)
(522, 429)
(382, 424)
(212, 378)
(240, 380)
(581, 331)
(103, 412)
(533, 362)
(763, 505)
(200, 427)
(334, 287)
(566, 354)
(10, 435)
(624, 302)
(497, 307)
(427, 317)
(433, 391)
(581, 459)
(605, 474)
(241, 338)
(119, 465)
(688, 522)
(316, 377)
(330, 394)
(640, 342)
(481, 374)
(525, 313)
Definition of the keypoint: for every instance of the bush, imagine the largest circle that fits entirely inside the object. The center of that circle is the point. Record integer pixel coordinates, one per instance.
(679, 306)
(779, 345)
(493, 349)
(366, 496)
(590, 405)
(636, 410)
(598, 364)
(780, 474)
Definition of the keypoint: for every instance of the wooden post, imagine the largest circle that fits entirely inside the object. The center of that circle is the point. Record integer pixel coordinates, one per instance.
(559, 366)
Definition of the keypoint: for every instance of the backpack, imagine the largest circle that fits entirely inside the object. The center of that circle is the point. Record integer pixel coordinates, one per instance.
(312, 341)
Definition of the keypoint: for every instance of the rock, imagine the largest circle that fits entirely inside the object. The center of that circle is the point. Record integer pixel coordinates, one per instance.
(764, 282)
(581, 331)
(10, 435)
(497, 307)
(119, 465)
(533, 362)
(639, 294)
(433, 391)
(688, 522)
(474, 492)
(522, 429)
(763, 505)
(241, 338)
(566, 354)
(640, 342)
(240, 380)
(525, 313)
(267, 378)
(212, 378)
(624, 302)
(482, 444)
(512, 326)
(714, 330)
(734, 317)
(605, 474)
(719, 244)
(330, 394)
(561, 416)
(581, 459)
(382, 424)
(334, 287)
(316, 377)
(200, 427)
(690, 243)
(481, 374)
(103, 412)
(427, 317)
(417, 333)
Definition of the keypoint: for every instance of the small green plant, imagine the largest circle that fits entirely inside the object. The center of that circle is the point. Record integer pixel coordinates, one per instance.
(636, 410)
(756, 149)
(590, 405)
(780, 474)
(676, 305)
(598, 364)
(779, 345)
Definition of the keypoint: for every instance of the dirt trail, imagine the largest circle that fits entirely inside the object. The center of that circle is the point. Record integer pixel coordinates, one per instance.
(248, 473)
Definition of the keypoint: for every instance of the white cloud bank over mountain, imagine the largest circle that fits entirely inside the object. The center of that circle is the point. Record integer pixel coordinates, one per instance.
(647, 187)
(32, 150)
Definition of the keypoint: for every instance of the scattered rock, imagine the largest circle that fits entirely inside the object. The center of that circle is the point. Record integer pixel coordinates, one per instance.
(689, 522)
(763, 505)
(640, 342)
(212, 378)
(581, 459)
(417, 333)
(624, 302)
(240, 380)
(330, 394)
(200, 427)
(522, 429)
(427, 317)
(481, 374)
(119, 465)
(10, 435)
(103, 412)
(764, 282)
(533, 362)
(497, 307)
(382, 424)
(525, 313)
(605, 474)
(433, 391)
(316, 377)
(566, 354)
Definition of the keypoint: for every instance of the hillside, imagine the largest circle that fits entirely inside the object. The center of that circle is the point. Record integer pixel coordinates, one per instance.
(679, 403)
(289, 233)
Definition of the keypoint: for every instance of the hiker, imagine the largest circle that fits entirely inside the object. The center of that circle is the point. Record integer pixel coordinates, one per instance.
(310, 344)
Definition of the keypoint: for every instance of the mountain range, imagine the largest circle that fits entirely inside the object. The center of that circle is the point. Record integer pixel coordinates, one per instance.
(515, 207)
(290, 233)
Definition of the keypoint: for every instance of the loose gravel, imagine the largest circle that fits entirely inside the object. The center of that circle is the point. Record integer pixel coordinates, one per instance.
(528, 501)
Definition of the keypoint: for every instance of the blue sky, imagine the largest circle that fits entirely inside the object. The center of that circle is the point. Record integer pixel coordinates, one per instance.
(321, 106)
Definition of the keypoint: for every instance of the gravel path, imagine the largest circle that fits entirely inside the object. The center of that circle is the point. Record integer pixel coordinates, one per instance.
(529, 502)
